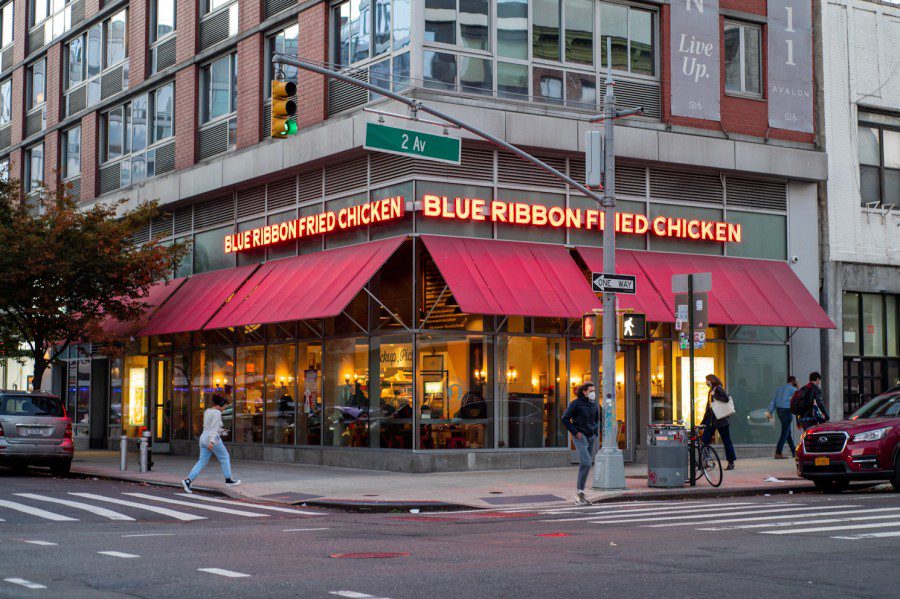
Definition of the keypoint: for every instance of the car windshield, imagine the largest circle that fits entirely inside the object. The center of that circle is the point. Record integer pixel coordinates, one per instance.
(30, 405)
(886, 406)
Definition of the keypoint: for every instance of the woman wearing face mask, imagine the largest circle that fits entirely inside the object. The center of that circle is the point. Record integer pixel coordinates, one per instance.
(582, 419)
(717, 393)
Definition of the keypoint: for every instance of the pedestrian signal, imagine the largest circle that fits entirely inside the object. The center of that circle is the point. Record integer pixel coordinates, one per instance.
(284, 108)
(589, 327)
(633, 327)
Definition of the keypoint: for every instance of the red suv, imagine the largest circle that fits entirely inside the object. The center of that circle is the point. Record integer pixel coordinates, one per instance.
(864, 447)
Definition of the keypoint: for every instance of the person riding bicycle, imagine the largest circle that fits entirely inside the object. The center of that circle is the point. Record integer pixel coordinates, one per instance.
(722, 425)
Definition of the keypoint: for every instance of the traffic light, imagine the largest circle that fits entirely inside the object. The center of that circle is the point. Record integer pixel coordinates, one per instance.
(589, 324)
(283, 108)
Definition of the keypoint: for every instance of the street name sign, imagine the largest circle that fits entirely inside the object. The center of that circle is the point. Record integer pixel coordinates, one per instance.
(605, 283)
(406, 142)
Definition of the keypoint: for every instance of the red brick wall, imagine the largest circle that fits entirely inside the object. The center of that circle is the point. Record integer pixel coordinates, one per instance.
(51, 160)
(250, 14)
(54, 84)
(249, 86)
(18, 107)
(15, 165)
(20, 29)
(138, 13)
(186, 117)
(89, 155)
(312, 100)
(186, 27)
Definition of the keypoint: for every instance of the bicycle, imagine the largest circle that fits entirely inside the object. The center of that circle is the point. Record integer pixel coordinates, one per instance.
(706, 460)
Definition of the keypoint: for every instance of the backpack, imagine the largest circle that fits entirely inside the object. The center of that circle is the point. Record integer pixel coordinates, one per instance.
(801, 401)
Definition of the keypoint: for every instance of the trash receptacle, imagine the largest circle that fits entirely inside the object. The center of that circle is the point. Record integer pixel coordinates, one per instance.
(667, 456)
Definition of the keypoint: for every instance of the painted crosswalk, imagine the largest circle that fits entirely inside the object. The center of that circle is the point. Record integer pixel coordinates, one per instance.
(134, 507)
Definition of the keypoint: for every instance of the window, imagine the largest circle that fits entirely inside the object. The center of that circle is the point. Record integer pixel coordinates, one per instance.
(462, 22)
(870, 324)
(6, 25)
(4, 169)
(71, 158)
(34, 167)
(218, 91)
(85, 57)
(5, 101)
(285, 41)
(114, 30)
(363, 29)
(512, 28)
(879, 159)
(56, 13)
(742, 58)
(36, 82)
(162, 19)
(631, 32)
(214, 5)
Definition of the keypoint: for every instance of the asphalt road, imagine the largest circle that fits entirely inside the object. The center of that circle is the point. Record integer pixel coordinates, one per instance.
(789, 545)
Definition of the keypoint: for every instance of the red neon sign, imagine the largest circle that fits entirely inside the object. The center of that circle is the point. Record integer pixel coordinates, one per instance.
(539, 215)
(377, 211)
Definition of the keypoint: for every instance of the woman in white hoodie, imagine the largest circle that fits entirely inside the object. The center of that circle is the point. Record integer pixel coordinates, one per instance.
(211, 443)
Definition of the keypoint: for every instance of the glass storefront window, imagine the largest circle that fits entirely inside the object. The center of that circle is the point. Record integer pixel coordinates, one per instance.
(181, 397)
(398, 227)
(392, 423)
(767, 240)
(284, 249)
(754, 372)
(280, 393)
(455, 392)
(256, 255)
(893, 330)
(212, 372)
(208, 252)
(339, 238)
(135, 391)
(873, 324)
(248, 395)
(533, 393)
(662, 405)
(850, 319)
(309, 375)
(709, 359)
(115, 392)
(346, 413)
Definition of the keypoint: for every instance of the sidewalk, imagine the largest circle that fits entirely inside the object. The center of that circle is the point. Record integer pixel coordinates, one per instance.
(373, 489)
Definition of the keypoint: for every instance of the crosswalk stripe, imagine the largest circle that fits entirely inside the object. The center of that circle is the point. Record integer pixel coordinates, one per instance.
(34, 511)
(624, 505)
(118, 554)
(758, 510)
(711, 511)
(660, 510)
(184, 517)
(25, 583)
(221, 572)
(211, 508)
(100, 511)
(253, 505)
(830, 512)
(794, 531)
(870, 535)
(802, 522)
(42, 543)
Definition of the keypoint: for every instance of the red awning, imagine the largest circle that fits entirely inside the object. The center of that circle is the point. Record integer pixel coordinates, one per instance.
(311, 286)
(745, 291)
(512, 278)
(156, 295)
(647, 300)
(196, 301)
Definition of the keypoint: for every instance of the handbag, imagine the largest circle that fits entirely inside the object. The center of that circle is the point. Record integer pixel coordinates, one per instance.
(723, 409)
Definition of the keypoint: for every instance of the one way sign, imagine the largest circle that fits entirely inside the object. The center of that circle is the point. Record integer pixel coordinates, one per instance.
(602, 283)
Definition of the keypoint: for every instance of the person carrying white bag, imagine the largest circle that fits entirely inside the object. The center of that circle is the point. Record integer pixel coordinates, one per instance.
(719, 410)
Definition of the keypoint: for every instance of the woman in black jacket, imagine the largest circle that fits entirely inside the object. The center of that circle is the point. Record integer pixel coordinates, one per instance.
(723, 425)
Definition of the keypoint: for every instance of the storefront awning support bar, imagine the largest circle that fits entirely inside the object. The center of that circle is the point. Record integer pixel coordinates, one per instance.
(434, 306)
(388, 310)
(417, 105)
(353, 320)
(311, 328)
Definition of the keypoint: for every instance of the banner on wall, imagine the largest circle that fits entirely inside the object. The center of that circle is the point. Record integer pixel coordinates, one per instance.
(694, 48)
(790, 65)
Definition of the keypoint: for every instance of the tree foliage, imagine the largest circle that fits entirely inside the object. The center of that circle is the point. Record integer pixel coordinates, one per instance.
(64, 271)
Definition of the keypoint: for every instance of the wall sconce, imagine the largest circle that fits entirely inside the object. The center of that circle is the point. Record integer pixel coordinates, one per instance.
(480, 376)
(534, 384)
(620, 380)
(347, 378)
(512, 375)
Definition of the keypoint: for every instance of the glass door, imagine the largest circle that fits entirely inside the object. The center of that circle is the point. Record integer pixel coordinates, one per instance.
(160, 406)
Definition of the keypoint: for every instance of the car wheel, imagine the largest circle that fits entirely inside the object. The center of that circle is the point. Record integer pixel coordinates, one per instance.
(61, 468)
(895, 480)
(831, 485)
(19, 467)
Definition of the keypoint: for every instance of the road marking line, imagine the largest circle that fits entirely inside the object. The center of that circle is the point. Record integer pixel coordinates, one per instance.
(708, 515)
(710, 511)
(781, 517)
(100, 511)
(25, 583)
(302, 529)
(142, 506)
(661, 510)
(211, 508)
(354, 595)
(118, 554)
(870, 535)
(42, 543)
(794, 531)
(34, 511)
(645, 506)
(802, 522)
(152, 534)
(221, 572)
(253, 505)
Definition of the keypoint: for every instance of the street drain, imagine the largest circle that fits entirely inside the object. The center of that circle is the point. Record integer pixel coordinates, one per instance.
(369, 555)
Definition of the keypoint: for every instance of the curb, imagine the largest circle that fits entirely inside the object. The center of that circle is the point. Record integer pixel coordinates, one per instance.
(706, 493)
(156, 483)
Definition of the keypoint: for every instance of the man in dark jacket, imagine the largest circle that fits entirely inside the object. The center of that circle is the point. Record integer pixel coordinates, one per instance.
(582, 419)
(816, 414)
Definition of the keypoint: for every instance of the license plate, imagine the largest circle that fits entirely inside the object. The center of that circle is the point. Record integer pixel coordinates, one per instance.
(823, 461)
(34, 432)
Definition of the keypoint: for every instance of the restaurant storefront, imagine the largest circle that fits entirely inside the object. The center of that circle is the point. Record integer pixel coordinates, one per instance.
(430, 325)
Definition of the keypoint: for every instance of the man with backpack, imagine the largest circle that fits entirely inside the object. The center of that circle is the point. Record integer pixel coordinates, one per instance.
(807, 403)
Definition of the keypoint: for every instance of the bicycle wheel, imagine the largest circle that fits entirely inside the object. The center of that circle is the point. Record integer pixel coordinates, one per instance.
(712, 467)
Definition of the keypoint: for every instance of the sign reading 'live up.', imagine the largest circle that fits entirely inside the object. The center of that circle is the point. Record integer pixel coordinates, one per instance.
(694, 49)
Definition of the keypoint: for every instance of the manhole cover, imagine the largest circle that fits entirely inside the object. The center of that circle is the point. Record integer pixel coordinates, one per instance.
(369, 555)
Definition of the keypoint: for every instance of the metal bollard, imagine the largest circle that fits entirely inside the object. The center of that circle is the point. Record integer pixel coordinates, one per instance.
(123, 453)
(144, 446)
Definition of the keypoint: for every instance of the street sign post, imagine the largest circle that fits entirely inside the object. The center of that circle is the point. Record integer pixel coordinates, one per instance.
(605, 283)
(406, 142)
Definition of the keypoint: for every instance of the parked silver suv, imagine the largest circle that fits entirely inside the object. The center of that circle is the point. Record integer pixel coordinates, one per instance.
(34, 429)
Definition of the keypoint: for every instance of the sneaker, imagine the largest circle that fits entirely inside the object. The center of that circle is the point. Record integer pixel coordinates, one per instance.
(780, 456)
(231, 482)
(580, 499)
(186, 485)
